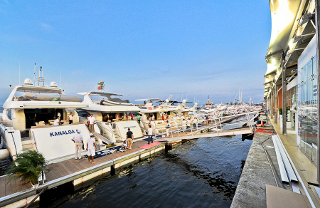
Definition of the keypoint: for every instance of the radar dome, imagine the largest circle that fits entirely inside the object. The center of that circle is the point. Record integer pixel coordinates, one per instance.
(28, 82)
(53, 84)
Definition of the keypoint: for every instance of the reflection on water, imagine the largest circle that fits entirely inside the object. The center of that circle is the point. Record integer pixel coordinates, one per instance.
(199, 173)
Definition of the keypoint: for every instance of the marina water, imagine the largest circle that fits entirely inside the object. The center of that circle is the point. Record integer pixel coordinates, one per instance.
(199, 173)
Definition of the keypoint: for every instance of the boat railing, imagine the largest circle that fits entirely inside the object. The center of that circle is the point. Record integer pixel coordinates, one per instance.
(218, 122)
(114, 133)
(7, 123)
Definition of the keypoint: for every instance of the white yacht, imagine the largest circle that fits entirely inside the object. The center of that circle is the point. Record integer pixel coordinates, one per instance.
(27, 121)
(113, 115)
(174, 113)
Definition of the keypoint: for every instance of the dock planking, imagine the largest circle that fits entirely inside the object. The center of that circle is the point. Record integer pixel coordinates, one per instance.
(70, 166)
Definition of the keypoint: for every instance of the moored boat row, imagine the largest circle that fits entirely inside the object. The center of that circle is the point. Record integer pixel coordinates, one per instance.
(27, 121)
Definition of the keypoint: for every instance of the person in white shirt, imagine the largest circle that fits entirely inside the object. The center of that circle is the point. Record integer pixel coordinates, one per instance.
(70, 118)
(196, 122)
(56, 122)
(153, 117)
(167, 128)
(91, 148)
(78, 142)
(188, 123)
(154, 127)
(150, 135)
(184, 125)
(91, 121)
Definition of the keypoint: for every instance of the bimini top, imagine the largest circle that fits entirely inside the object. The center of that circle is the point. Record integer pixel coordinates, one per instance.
(110, 100)
(38, 89)
(104, 94)
(150, 99)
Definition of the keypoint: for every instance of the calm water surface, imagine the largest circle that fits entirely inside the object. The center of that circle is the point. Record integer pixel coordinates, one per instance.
(199, 173)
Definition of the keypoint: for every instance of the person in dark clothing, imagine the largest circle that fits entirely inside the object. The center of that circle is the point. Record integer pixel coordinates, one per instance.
(129, 138)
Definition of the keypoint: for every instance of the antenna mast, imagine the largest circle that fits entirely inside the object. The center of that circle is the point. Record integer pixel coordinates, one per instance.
(34, 74)
(41, 78)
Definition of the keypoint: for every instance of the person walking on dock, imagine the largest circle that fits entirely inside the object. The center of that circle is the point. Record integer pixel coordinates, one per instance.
(78, 142)
(129, 138)
(91, 121)
(70, 118)
(91, 148)
(184, 125)
(167, 128)
(150, 135)
(196, 122)
(188, 123)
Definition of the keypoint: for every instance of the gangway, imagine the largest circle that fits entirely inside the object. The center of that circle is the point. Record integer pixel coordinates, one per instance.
(231, 132)
(102, 138)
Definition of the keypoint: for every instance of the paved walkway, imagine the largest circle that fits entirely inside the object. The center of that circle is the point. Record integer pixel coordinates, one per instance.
(261, 168)
(305, 168)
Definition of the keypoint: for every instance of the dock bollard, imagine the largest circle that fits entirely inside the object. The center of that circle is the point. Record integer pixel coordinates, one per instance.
(113, 170)
(168, 147)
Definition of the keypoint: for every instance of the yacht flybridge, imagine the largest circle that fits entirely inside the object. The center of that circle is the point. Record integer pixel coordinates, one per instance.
(27, 120)
(27, 112)
(112, 114)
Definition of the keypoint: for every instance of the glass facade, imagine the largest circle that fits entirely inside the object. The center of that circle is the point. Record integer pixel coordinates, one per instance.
(292, 98)
(307, 109)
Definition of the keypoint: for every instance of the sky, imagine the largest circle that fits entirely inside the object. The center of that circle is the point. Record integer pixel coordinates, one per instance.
(141, 49)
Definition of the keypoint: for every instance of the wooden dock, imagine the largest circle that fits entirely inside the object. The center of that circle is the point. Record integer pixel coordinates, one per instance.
(15, 194)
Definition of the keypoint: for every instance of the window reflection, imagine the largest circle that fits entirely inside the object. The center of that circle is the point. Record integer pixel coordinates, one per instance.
(307, 105)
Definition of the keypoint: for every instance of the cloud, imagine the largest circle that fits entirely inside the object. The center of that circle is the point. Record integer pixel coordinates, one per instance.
(46, 27)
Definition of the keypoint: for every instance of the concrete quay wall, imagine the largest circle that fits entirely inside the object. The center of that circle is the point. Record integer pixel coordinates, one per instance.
(257, 172)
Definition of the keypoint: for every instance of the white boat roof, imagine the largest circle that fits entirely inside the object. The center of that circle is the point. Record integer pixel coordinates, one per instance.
(105, 94)
(38, 89)
(151, 99)
(112, 108)
(11, 103)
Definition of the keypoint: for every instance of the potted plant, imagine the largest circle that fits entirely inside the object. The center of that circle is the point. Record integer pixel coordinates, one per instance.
(280, 111)
(27, 167)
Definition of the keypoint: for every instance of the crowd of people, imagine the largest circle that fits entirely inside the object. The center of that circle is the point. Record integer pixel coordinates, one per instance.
(151, 132)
